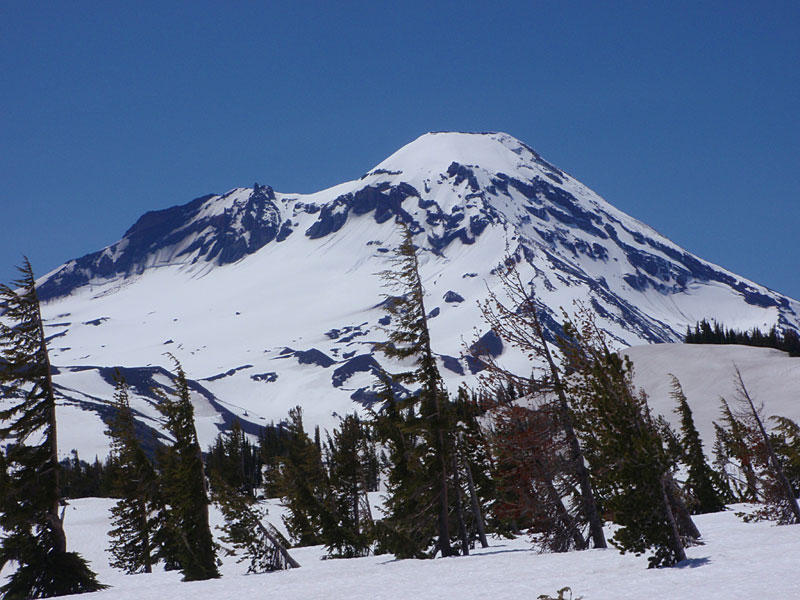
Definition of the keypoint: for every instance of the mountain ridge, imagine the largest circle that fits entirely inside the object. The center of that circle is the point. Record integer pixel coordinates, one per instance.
(230, 282)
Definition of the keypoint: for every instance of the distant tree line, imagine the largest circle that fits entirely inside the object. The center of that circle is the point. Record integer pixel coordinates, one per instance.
(705, 332)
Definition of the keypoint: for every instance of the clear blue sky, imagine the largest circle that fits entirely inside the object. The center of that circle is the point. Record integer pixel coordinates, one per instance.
(685, 115)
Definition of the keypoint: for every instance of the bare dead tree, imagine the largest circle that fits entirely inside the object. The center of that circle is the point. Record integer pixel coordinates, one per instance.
(516, 320)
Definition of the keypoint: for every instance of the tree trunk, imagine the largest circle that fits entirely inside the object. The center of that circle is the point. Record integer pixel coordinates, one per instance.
(581, 472)
(686, 524)
(675, 536)
(444, 506)
(274, 539)
(462, 526)
(476, 507)
(564, 518)
(54, 521)
(776, 465)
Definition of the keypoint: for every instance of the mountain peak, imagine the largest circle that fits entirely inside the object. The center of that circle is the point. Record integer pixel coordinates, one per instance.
(433, 153)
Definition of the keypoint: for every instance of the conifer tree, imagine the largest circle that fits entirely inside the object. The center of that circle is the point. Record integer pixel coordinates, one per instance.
(34, 536)
(407, 529)
(734, 452)
(302, 484)
(135, 484)
(517, 321)
(348, 531)
(410, 339)
(246, 531)
(235, 460)
(474, 461)
(706, 492)
(780, 496)
(185, 486)
(629, 461)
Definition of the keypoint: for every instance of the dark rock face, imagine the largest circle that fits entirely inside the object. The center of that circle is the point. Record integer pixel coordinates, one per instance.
(453, 297)
(308, 357)
(270, 377)
(384, 200)
(488, 344)
(361, 363)
(221, 238)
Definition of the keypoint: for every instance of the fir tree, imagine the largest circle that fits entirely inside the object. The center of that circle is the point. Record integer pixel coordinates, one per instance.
(245, 530)
(185, 485)
(630, 463)
(410, 339)
(407, 529)
(734, 454)
(302, 484)
(235, 460)
(705, 490)
(135, 484)
(474, 461)
(348, 531)
(34, 531)
(779, 496)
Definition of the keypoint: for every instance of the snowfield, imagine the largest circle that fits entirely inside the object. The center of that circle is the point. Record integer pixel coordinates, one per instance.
(737, 561)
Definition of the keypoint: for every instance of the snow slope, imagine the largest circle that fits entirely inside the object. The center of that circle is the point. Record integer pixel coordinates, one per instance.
(272, 300)
(706, 373)
(737, 561)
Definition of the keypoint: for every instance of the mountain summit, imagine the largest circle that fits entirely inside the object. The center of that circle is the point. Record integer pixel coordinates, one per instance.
(272, 299)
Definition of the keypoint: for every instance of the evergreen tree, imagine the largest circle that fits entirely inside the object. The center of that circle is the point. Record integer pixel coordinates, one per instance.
(185, 485)
(734, 455)
(705, 489)
(135, 484)
(517, 320)
(245, 530)
(34, 531)
(410, 339)
(348, 531)
(778, 493)
(474, 461)
(235, 460)
(302, 484)
(630, 464)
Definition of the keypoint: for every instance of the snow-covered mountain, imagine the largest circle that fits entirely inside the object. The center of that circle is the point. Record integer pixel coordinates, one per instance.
(271, 299)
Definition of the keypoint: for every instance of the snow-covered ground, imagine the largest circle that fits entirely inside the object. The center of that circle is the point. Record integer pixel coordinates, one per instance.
(706, 373)
(737, 561)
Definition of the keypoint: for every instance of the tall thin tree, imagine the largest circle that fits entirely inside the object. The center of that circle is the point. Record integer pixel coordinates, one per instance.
(135, 483)
(185, 484)
(34, 530)
(517, 321)
(410, 339)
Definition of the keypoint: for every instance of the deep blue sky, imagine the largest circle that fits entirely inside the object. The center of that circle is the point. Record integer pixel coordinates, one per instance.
(684, 115)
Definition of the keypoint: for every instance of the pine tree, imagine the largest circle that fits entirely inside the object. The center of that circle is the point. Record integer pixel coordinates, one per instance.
(245, 530)
(734, 454)
(34, 531)
(410, 339)
(185, 485)
(235, 460)
(348, 531)
(474, 461)
(135, 484)
(706, 491)
(408, 529)
(778, 493)
(629, 462)
(302, 484)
